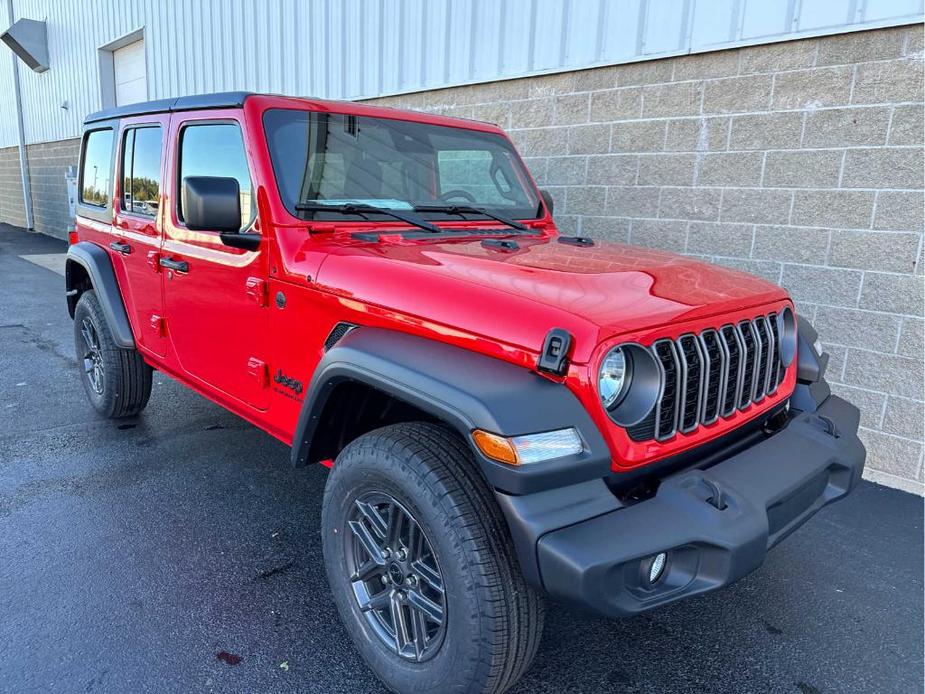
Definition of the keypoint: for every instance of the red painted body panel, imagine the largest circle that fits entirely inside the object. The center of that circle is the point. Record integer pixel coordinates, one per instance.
(500, 304)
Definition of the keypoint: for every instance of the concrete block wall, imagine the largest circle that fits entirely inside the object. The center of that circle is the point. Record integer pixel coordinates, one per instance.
(48, 163)
(12, 210)
(801, 162)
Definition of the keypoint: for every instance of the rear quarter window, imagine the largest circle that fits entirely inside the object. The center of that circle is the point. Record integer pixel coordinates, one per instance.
(96, 168)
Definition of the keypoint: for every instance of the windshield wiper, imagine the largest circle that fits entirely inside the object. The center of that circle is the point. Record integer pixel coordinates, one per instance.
(462, 210)
(364, 210)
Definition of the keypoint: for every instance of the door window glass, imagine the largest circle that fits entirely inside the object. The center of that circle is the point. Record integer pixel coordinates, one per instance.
(216, 149)
(95, 173)
(141, 171)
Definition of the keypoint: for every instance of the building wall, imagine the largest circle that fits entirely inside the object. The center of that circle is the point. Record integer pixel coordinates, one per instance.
(12, 210)
(48, 163)
(799, 161)
(348, 49)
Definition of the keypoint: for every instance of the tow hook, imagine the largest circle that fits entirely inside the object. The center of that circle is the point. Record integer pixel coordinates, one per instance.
(824, 424)
(715, 499)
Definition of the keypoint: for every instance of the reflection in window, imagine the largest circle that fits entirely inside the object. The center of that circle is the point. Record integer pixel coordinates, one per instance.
(217, 149)
(141, 170)
(95, 174)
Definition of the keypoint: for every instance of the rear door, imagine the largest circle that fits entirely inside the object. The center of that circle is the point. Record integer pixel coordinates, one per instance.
(215, 296)
(137, 225)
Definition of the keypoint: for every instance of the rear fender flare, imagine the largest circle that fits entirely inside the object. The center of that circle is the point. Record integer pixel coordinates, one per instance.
(95, 261)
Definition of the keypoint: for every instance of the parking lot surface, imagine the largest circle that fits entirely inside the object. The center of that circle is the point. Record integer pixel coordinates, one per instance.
(179, 552)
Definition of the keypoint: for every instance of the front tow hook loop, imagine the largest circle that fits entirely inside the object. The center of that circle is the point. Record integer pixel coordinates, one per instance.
(716, 494)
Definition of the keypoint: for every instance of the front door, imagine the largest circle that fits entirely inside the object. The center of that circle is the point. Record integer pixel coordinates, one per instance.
(215, 295)
(136, 228)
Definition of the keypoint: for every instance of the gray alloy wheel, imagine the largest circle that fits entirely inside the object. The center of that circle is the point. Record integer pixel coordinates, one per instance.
(117, 380)
(395, 577)
(92, 356)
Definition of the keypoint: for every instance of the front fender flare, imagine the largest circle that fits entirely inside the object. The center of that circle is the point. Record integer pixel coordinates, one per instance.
(465, 390)
(98, 266)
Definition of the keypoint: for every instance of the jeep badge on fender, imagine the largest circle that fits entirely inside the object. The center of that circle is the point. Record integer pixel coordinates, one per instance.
(509, 414)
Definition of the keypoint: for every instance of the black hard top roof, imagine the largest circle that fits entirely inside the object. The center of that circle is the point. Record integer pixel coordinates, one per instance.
(179, 103)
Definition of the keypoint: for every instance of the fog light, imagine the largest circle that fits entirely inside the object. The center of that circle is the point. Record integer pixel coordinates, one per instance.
(657, 567)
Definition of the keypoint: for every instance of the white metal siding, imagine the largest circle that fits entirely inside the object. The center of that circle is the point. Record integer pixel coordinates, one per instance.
(128, 66)
(351, 49)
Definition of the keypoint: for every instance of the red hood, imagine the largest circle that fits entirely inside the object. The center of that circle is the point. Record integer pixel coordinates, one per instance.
(594, 292)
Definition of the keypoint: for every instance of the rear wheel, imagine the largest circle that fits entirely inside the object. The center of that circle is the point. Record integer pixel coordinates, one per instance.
(422, 567)
(117, 381)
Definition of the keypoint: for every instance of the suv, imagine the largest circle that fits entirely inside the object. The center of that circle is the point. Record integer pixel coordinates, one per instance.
(508, 413)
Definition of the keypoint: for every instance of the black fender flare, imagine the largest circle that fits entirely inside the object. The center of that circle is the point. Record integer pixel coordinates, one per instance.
(465, 390)
(96, 262)
(811, 389)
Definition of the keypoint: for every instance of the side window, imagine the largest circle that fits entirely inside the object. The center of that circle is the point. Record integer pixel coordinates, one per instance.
(141, 171)
(216, 149)
(95, 169)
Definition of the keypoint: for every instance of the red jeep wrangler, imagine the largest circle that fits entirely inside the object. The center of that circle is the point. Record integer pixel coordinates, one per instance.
(508, 412)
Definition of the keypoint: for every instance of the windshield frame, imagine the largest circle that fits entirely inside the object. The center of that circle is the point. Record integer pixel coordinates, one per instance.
(483, 132)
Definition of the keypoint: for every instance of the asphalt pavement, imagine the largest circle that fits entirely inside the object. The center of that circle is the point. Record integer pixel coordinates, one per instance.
(179, 552)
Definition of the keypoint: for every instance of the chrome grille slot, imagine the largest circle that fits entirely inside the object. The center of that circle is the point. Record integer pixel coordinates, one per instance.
(714, 374)
(761, 373)
(692, 388)
(749, 355)
(733, 344)
(711, 375)
(777, 373)
(666, 411)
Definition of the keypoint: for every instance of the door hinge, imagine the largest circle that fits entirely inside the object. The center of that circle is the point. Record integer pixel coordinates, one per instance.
(158, 325)
(154, 260)
(258, 369)
(256, 289)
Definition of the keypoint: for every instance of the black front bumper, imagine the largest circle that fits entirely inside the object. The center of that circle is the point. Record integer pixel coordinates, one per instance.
(600, 551)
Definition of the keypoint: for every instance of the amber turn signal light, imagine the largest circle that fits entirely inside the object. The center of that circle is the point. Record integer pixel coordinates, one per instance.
(495, 447)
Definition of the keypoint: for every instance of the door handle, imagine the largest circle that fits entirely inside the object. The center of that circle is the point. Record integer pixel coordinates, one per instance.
(171, 264)
(120, 247)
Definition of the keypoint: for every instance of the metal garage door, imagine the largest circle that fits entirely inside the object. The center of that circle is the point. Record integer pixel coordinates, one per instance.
(128, 65)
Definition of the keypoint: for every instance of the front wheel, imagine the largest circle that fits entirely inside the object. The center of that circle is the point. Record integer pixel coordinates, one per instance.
(117, 381)
(422, 566)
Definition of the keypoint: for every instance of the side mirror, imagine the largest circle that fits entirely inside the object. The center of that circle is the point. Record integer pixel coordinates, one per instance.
(547, 199)
(212, 203)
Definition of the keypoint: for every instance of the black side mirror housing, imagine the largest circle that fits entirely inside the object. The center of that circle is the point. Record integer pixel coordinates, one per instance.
(213, 203)
(547, 199)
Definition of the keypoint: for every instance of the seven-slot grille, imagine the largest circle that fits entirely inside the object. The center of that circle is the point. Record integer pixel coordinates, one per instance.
(711, 375)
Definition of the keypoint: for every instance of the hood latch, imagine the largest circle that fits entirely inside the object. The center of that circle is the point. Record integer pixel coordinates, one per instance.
(554, 357)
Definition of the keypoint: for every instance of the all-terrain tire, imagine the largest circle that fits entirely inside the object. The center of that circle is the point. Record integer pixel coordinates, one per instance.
(117, 380)
(493, 619)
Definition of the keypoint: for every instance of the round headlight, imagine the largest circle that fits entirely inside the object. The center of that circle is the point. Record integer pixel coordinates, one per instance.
(613, 379)
(629, 382)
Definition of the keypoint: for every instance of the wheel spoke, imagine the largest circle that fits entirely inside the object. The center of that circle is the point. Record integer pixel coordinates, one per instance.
(375, 518)
(396, 516)
(86, 331)
(428, 575)
(369, 569)
(402, 635)
(368, 602)
(369, 543)
(419, 633)
(426, 606)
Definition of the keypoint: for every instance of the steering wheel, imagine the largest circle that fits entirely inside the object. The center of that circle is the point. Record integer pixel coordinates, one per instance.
(457, 193)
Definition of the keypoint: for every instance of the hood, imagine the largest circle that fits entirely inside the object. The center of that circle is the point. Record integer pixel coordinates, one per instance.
(594, 292)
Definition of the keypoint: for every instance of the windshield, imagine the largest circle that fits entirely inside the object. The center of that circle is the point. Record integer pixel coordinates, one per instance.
(334, 159)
